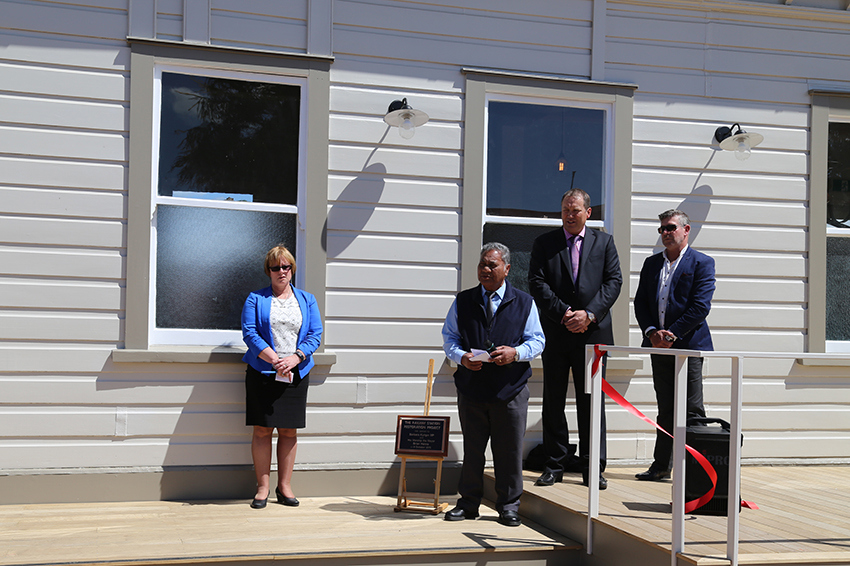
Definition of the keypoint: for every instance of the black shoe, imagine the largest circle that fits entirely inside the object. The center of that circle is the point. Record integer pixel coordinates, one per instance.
(459, 514)
(509, 519)
(259, 503)
(653, 474)
(603, 483)
(283, 500)
(550, 478)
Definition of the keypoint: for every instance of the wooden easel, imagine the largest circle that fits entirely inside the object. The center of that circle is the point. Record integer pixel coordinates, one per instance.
(421, 502)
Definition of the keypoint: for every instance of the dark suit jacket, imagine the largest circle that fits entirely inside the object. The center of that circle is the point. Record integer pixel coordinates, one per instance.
(692, 287)
(597, 285)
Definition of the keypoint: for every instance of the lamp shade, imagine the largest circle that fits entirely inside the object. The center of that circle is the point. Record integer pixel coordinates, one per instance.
(406, 118)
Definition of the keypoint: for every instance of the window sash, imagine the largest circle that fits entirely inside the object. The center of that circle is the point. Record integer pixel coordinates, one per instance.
(209, 337)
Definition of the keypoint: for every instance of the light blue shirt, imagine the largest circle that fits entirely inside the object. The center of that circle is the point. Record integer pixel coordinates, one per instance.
(533, 339)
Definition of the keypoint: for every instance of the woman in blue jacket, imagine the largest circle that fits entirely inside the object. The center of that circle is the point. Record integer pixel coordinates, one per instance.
(282, 327)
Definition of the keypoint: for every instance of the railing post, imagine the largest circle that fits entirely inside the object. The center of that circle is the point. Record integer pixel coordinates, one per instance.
(593, 385)
(734, 492)
(680, 416)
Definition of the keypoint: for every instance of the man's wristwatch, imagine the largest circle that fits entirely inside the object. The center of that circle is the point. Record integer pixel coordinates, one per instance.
(591, 316)
(516, 357)
(649, 332)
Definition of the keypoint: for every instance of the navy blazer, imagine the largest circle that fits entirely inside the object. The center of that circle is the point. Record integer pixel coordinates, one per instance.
(257, 331)
(596, 288)
(691, 290)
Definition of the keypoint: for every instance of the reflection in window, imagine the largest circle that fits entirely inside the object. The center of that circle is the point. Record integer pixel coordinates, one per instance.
(838, 175)
(235, 142)
(536, 153)
(838, 245)
(227, 139)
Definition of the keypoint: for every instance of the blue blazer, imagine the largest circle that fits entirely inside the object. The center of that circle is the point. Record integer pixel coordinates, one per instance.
(691, 290)
(257, 332)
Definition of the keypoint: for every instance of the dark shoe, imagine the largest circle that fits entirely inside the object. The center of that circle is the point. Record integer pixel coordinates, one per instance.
(459, 514)
(603, 483)
(550, 478)
(259, 503)
(509, 519)
(653, 475)
(283, 500)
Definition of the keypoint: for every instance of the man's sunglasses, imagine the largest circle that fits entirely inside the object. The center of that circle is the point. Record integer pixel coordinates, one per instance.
(277, 268)
(667, 228)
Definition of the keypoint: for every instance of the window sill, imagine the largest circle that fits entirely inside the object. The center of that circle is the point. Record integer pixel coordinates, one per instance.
(198, 355)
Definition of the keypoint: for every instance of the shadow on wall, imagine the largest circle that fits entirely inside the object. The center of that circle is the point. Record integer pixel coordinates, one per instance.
(353, 209)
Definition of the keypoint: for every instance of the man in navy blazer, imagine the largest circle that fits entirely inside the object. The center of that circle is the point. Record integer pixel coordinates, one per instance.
(574, 276)
(672, 302)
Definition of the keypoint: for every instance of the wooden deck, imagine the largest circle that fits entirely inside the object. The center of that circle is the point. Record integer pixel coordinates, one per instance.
(804, 518)
(803, 515)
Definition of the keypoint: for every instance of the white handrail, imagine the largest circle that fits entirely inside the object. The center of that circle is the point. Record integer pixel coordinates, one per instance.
(594, 387)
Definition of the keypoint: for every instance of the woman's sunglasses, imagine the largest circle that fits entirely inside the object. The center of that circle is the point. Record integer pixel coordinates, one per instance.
(277, 268)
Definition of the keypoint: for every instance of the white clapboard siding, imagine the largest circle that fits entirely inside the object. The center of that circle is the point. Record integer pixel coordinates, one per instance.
(103, 116)
(706, 208)
(74, 295)
(99, 389)
(374, 305)
(100, 233)
(388, 191)
(711, 236)
(106, 20)
(392, 277)
(374, 102)
(722, 112)
(776, 264)
(373, 219)
(71, 83)
(393, 362)
(358, 128)
(66, 52)
(375, 334)
(92, 264)
(43, 142)
(54, 326)
(53, 173)
(394, 249)
(706, 158)
(70, 203)
(719, 184)
(444, 165)
(19, 356)
(702, 133)
(285, 33)
(396, 76)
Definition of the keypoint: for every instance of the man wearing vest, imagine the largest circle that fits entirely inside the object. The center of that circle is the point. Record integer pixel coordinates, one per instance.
(492, 332)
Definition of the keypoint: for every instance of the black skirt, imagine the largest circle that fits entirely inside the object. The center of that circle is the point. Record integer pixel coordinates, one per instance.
(275, 404)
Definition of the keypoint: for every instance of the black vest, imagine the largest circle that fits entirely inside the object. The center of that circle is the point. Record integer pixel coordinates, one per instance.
(492, 382)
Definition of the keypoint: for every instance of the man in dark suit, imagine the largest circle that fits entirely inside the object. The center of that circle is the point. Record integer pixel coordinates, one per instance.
(672, 302)
(492, 332)
(574, 276)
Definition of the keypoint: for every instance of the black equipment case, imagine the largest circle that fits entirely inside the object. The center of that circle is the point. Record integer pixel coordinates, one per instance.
(713, 443)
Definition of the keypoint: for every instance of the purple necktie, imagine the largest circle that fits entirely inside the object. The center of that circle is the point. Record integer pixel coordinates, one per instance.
(572, 243)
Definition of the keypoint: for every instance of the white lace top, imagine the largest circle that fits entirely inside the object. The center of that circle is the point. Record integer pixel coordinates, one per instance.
(285, 321)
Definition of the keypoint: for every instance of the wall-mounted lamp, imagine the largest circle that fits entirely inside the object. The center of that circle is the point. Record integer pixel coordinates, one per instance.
(737, 140)
(406, 118)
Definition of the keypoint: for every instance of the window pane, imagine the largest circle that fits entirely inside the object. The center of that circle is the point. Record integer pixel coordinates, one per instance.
(519, 240)
(837, 288)
(208, 260)
(226, 139)
(525, 144)
(838, 175)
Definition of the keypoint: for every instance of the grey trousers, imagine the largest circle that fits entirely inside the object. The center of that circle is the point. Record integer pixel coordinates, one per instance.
(503, 424)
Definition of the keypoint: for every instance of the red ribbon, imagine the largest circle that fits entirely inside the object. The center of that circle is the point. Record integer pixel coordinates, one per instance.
(706, 465)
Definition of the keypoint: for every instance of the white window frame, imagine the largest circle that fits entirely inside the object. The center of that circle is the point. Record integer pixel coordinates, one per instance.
(837, 346)
(608, 172)
(208, 337)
